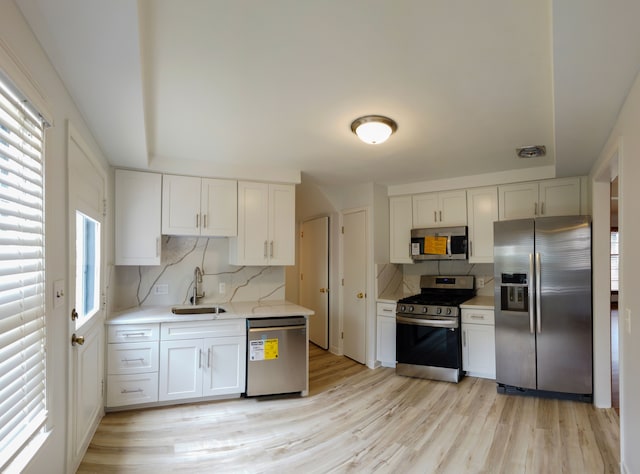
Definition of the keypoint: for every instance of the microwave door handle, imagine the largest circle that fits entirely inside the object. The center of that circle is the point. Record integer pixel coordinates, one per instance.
(449, 237)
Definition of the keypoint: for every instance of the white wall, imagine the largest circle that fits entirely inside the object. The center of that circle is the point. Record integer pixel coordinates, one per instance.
(626, 140)
(17, 41)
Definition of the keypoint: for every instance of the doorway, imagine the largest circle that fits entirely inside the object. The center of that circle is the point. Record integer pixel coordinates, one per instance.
(354, 284)
(86, 193)
(314, 277)
(615, 358)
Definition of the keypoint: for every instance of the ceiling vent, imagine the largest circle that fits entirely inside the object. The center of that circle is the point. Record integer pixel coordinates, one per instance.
(531, 151)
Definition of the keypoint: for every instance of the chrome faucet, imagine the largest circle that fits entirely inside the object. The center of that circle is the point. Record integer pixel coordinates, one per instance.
(197, 278)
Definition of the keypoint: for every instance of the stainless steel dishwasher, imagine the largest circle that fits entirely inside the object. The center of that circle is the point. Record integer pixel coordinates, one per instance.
(276, 355)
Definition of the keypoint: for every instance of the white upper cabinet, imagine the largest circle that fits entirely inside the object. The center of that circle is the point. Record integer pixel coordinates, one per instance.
(199, 206)
(219, 207)
(553, 197)
(482, 211)
(266, 225)
(441, 209)
(137, 217)
(400, 222)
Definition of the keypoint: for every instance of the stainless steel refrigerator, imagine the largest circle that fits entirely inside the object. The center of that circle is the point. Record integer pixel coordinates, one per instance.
(543, 311)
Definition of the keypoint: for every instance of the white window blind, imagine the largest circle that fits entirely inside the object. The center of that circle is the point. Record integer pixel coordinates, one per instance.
(22, 289)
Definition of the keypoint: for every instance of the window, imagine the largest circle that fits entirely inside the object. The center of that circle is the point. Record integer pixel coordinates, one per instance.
(22, 287)
(87, 267)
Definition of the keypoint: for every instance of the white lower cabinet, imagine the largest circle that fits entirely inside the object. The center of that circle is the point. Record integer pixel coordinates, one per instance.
(478, 343)
(132, 364)
(202, 359)
(386, 334)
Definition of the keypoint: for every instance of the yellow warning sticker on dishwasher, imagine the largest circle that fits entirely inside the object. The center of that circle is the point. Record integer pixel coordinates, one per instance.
(263, 349)
(270, 349)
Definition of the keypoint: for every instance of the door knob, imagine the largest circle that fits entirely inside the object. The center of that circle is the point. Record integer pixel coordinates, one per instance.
(76, 339)
(324, 290)
(360, 296)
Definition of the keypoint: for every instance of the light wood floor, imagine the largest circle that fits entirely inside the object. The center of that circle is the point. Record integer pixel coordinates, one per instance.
(361, 420)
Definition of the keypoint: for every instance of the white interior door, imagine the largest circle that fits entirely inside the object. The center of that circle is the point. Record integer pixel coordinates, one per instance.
(314, 277)
(354, 306)
(87, 183)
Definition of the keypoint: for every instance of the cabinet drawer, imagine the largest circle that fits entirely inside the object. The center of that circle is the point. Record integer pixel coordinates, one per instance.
(132, 389)
(132, 332)
(386, 309)
(478, 316)
(132, 358)
(200, 329)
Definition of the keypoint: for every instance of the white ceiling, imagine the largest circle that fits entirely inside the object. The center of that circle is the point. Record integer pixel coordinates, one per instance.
(255, 89)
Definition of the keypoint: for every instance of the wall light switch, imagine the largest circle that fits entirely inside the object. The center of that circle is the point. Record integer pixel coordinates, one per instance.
(222, 288)
(58, 293)
(162, 289)
(480, 282)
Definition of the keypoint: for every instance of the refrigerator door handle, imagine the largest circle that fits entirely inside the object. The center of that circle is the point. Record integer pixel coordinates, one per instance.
(538, 310)
(531, 291)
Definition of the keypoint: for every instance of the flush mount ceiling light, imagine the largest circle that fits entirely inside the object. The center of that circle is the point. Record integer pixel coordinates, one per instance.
(373, 129)
(531, 151)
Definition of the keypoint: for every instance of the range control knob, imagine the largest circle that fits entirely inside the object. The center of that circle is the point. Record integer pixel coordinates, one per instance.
(425, 309)
(448, 310)
(411, 309)
(403, 308)
(438, 310)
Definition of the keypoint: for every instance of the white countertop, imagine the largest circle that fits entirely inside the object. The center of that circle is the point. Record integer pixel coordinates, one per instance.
(240, 309)
(479, 302)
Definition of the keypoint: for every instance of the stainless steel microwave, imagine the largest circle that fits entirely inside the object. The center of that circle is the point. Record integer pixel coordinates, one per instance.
(439, 243)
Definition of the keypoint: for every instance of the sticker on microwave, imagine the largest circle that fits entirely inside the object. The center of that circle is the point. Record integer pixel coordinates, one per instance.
(264, 349)
(435, 245)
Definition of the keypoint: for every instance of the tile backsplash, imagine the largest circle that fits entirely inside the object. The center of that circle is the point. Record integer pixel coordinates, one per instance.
(171, 282)
(395, 281)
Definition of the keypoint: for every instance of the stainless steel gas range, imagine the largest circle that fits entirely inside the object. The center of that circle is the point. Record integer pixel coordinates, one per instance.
(428, 333)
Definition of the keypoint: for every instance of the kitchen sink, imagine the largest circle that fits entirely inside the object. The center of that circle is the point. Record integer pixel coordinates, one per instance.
(197, 310)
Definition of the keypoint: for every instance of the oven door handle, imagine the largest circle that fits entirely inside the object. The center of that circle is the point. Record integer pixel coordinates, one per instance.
(436, 323)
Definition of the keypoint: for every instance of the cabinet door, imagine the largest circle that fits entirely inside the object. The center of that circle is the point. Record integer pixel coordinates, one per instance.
(251, 245)
(518, 201)
(425, 210)
(282, 210)
(478, 350)
(482, 207)
(180, 369)
(137, 217)
(219, 207)
(560, 197)
(400, 222)
(386, 341)
(225, 366)
(453, 208)
(180, 205)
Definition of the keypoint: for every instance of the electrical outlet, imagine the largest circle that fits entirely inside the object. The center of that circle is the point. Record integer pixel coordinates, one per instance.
(480, 282)
(222, 288)
(162, 289)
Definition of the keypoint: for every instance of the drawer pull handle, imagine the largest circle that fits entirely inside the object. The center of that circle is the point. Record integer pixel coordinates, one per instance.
(387, 310)
(135, 334)
(141, 359)
(124, 390)
(477, 316)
